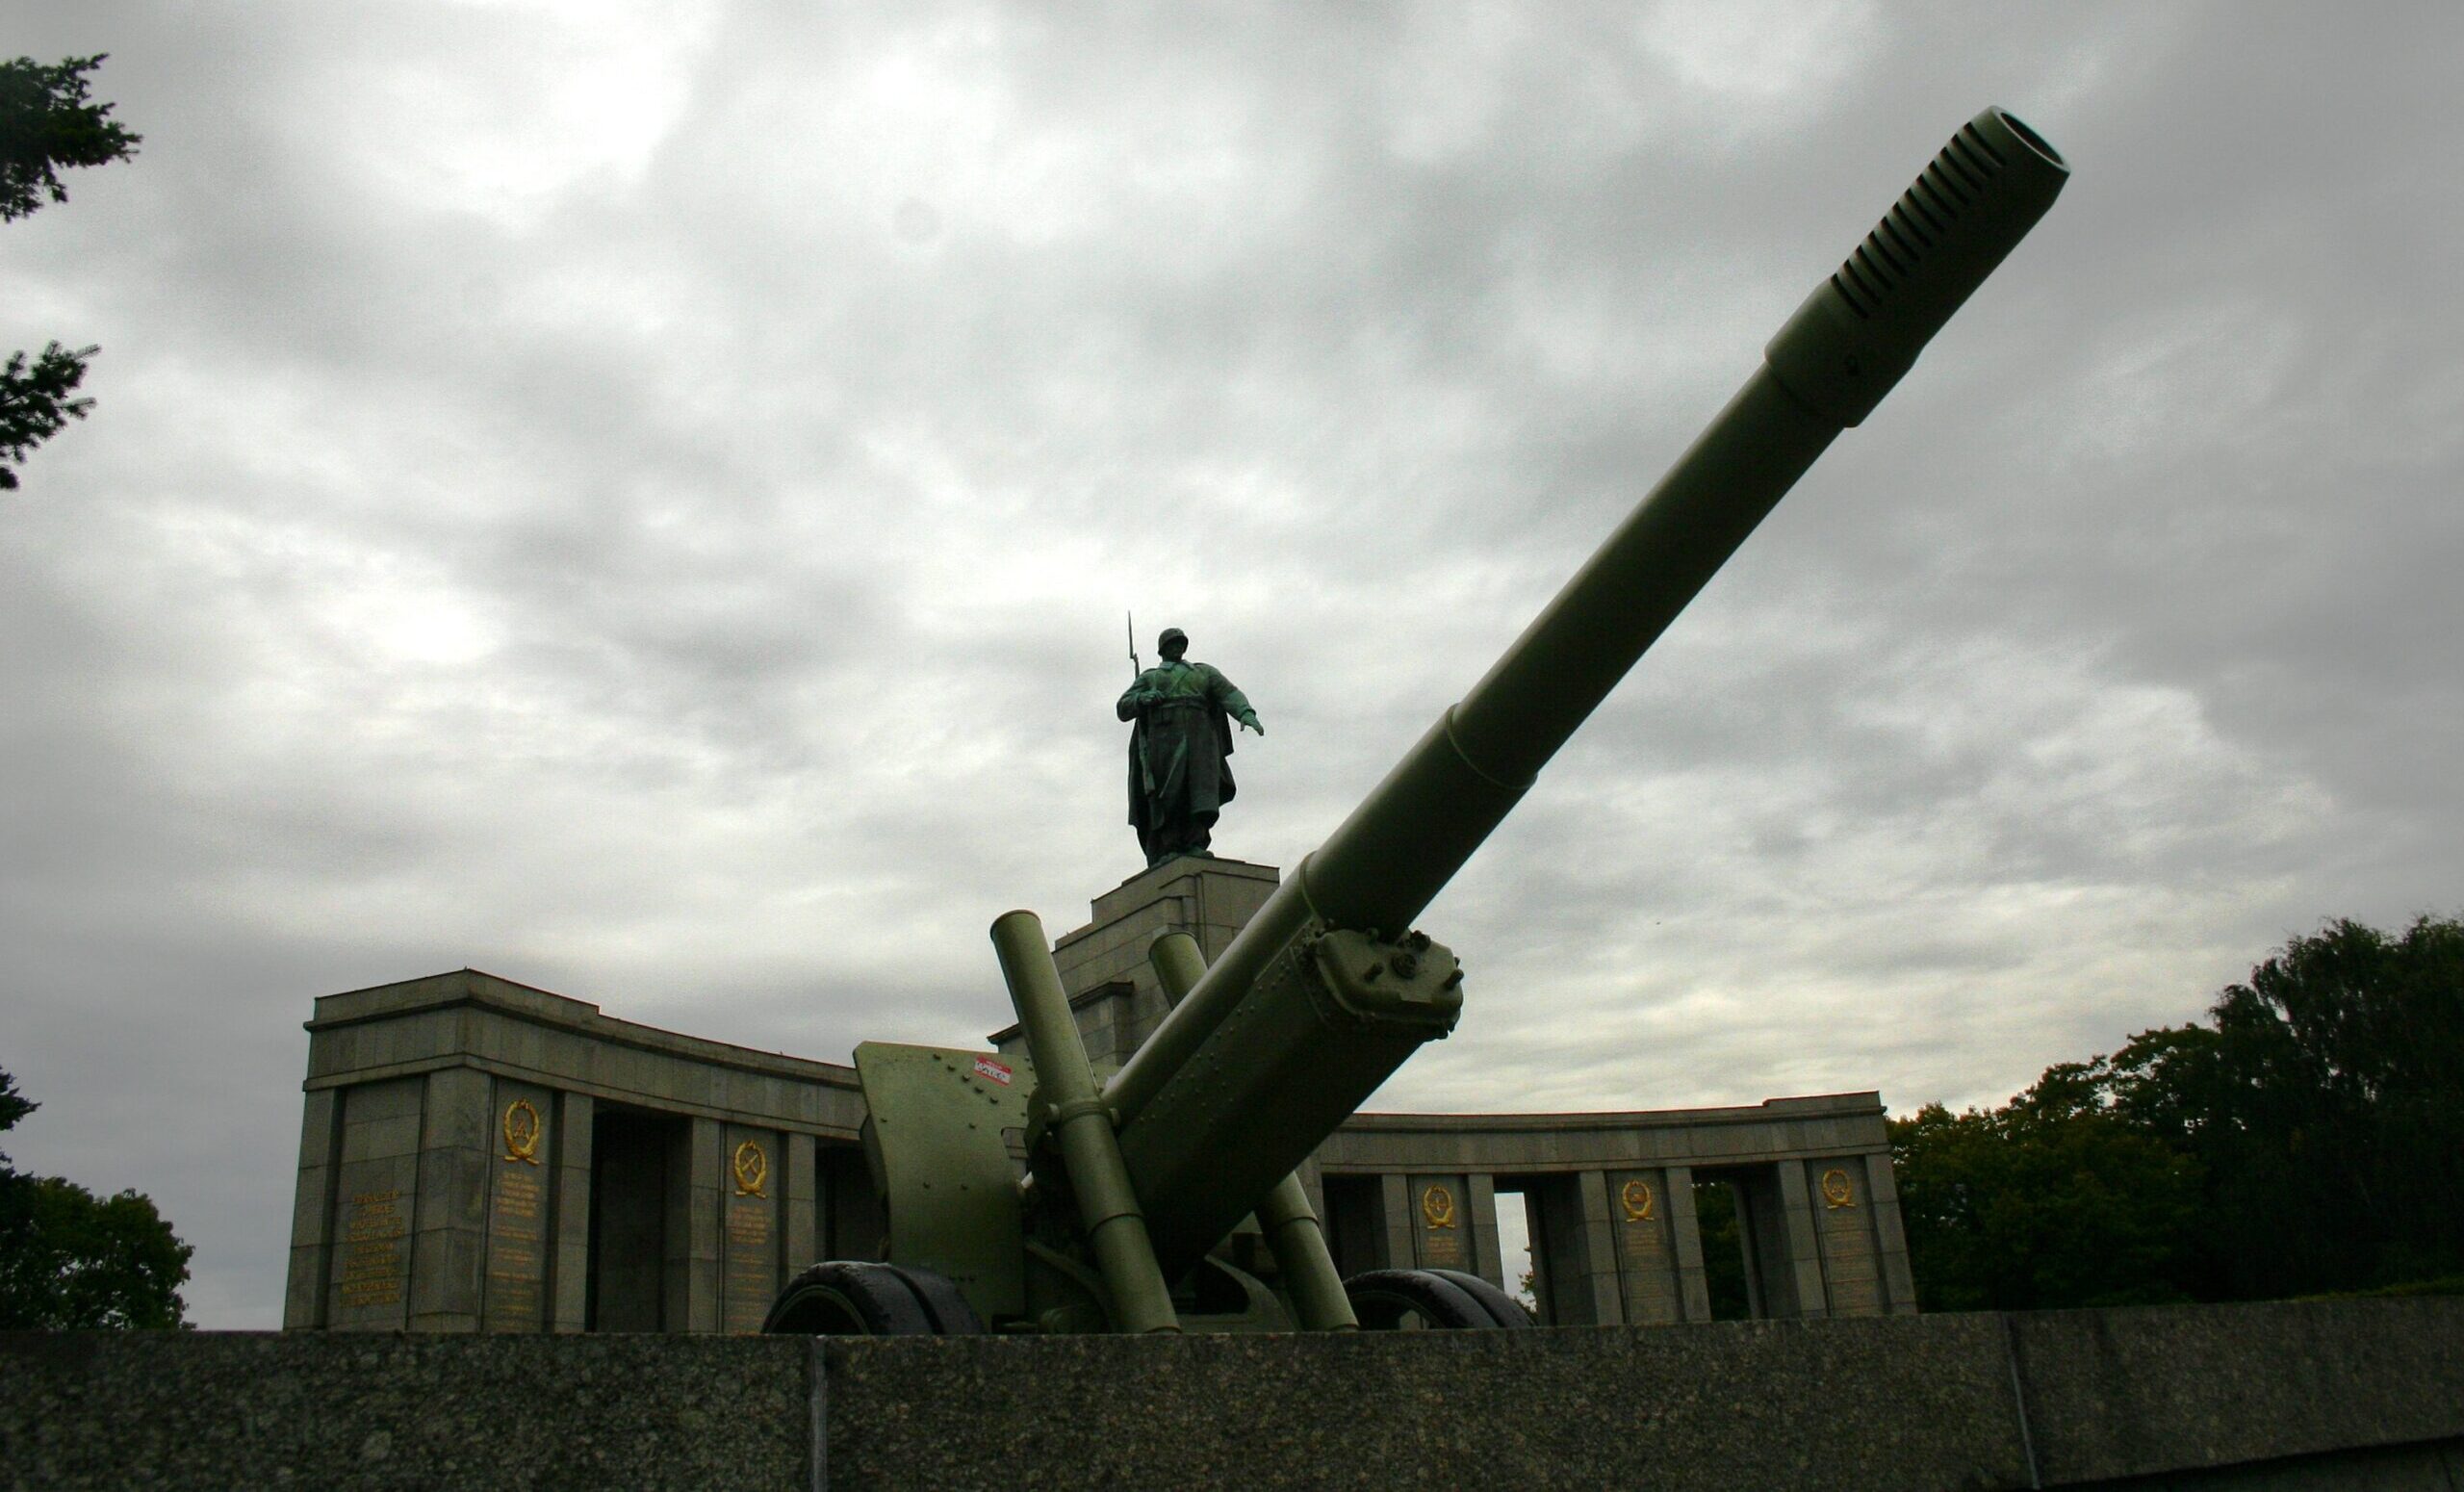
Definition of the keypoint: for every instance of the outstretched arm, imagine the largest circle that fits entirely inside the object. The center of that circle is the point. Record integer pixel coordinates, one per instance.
(1236, 704)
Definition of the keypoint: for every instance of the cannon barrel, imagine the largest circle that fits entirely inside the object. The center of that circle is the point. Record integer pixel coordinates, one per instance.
(1253, 1068)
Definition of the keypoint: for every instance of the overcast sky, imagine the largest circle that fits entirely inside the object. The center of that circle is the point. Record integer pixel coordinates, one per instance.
(640, 498)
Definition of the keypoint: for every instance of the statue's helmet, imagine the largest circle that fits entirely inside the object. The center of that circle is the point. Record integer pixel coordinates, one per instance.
(1172, 636)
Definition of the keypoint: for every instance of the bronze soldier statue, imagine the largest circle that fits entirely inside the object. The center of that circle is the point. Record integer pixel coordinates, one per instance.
(1180, 746)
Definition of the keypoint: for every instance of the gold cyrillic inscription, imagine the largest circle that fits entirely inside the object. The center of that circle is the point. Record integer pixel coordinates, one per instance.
(752, 1276)
(515, 1270)
(371, 1272)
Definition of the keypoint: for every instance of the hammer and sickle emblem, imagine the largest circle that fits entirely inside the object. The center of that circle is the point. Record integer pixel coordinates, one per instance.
(1437, 1205)
(752, 1168)
(522, 1131)
(1636, 1196)
(1836, 1191)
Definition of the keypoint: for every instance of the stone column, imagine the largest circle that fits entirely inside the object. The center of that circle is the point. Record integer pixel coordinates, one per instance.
(1487, 1261)
(569, 1214)
(1553, 1203)
(1599, 1284)
(1395, 1216)
(802, 1229)
(1642, 1205)
(312, 1211)
(449, 1234)
(1685, 1226)
(692, 1286)
(377, 1197)
(1798, 1233)
(1899, 1282)
(1843, 1202)
(750, 1189)
(522, 1153)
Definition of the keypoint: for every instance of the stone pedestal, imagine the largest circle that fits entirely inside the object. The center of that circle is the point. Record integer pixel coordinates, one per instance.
(1103, 965)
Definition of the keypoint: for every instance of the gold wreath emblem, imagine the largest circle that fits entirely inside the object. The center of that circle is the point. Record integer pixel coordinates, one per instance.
(752, 1168)
(1636, 1196)
(1437, 1205)
(522, 1131)
(1836, 1191)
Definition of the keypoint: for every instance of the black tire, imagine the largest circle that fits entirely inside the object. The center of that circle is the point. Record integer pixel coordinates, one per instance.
(1415, 1301)
(1502, 1308)
(952, 1316)
(848, 1297)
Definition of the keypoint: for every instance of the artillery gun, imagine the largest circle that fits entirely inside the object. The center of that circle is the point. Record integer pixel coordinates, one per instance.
(1029, 1196)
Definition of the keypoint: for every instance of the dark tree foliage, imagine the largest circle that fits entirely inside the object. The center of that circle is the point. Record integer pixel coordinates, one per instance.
(2007, 1211)
(71, 1259)
(2317, 1120)
(46, 123)
(2328, 1103)
(35, 402)
(1723, 1238)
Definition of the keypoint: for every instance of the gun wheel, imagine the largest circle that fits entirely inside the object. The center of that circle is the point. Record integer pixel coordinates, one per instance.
(1502, 1308)
(1431, 1301)
(858, 1298)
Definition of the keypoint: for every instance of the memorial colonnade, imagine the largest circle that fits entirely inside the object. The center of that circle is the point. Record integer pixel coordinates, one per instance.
(479, 1155)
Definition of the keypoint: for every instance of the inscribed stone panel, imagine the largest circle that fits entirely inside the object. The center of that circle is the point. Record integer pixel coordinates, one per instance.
(374, 1201)
(522, 1158)
(1646, 1249)
(1844, 1226)
(749, 1189)
(1441, 1222)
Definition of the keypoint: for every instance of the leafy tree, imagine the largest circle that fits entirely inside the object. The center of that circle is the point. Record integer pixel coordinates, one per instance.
(2328, 1102)
(2317, 1120)
(46, 123)
(2015, 1210)
(71, 1259)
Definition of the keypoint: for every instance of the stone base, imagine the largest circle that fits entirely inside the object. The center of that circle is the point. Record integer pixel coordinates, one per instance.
(2253, 1397)
(1103, 965)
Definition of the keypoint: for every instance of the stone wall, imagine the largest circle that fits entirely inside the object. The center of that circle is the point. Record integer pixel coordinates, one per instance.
(2312, 1395)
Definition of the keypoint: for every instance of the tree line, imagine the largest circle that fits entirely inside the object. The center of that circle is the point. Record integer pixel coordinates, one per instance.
(69, 1258)
(2307, 1138)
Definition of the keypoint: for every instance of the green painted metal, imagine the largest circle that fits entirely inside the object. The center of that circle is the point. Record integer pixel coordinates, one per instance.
(1323, 1025)
(1304, 1263)
(1236, 1072)
(1081, 1127)
(940, 1134)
